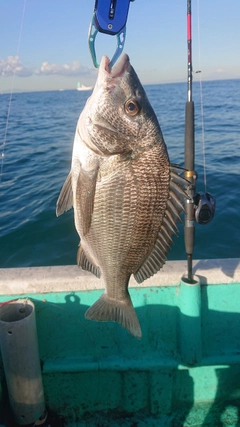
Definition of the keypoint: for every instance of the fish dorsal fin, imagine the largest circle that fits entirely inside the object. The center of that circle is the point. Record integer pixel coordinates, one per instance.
(82, 261)
(65, 199)
(85, 193)
(156, 259)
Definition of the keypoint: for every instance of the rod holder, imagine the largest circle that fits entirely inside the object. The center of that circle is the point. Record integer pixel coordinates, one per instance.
(19, 347)
(190, 321)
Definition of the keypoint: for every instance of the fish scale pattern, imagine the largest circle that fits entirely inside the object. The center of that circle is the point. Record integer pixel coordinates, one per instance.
(129, 207)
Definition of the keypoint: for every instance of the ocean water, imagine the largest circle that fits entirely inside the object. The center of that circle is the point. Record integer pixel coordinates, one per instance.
(37, 158)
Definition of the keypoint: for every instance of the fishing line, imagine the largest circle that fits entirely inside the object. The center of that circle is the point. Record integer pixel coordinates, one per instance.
(201, 101)
(11, 93)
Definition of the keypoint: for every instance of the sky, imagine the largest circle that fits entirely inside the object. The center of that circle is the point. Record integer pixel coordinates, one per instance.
(44, 43)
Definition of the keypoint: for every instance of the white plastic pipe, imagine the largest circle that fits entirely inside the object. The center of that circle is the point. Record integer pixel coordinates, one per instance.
(19, 347)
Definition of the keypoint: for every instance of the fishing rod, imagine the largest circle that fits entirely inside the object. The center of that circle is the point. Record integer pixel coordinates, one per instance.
(199, 207)
(190, 174)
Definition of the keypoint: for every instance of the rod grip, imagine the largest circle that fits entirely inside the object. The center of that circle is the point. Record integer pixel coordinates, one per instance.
(189, 136)
(189, 233)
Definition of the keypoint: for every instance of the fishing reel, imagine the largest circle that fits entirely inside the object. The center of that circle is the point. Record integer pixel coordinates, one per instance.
(204, 206)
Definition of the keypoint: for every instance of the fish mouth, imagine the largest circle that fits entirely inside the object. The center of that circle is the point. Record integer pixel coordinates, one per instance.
(110, 77)
(119, 68)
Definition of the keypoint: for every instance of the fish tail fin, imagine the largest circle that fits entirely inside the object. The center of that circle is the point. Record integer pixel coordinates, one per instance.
(107, 309)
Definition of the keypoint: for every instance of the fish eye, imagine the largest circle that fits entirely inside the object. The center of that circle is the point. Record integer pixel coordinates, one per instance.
(132, 107)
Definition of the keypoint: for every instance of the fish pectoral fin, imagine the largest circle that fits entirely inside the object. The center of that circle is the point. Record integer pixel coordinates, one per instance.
(65, 199)
(85, 264)
(85, 193)
(108, 309)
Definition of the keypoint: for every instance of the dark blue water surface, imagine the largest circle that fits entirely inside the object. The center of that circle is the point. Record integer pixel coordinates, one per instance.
(38, 155)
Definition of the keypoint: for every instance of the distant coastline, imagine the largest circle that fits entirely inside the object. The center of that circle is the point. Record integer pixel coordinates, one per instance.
(16, 90)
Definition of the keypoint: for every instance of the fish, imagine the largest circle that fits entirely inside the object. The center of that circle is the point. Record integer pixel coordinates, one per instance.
(127, 196)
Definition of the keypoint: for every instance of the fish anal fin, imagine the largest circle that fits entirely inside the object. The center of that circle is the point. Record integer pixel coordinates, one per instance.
(65, 199)
(85, 193)
(85, 264)
(107, 309)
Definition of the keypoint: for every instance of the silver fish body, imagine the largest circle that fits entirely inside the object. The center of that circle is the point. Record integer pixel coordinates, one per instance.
(126, 195)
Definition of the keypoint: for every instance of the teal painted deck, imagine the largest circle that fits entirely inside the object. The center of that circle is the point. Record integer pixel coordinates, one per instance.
(184, 372)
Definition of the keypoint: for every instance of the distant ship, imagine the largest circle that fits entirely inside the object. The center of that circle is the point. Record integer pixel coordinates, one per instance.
(83, 87)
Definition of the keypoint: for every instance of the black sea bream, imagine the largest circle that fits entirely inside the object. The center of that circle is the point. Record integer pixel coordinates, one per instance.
(125, 194)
